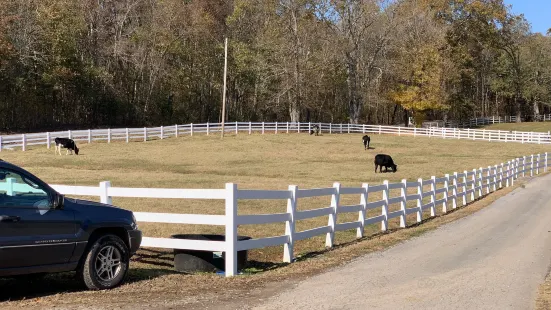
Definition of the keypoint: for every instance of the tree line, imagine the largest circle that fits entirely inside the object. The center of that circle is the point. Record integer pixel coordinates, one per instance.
(98, 63)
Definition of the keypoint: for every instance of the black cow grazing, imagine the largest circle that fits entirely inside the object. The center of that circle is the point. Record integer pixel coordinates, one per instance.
(315, 130)
(383, 160)
(66, 143)
(366, 140)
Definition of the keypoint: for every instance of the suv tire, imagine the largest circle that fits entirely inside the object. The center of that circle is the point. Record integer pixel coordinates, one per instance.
(105, 264)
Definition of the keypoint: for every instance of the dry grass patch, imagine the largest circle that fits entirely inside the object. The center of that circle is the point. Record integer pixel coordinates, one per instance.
(261, 162)
(533, 126)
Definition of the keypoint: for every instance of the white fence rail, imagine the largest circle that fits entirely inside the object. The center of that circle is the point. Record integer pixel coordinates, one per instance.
(23, 141)
(447, 192)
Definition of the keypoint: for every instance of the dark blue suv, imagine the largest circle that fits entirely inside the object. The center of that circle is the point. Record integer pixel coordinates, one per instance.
(41, 231)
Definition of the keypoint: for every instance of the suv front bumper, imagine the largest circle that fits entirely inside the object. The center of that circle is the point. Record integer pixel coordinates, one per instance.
(135, 240)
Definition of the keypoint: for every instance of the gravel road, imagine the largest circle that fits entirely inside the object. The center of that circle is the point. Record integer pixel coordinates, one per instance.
(493, 259)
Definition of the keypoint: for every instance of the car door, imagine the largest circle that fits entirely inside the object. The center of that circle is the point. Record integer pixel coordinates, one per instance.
(32, 232)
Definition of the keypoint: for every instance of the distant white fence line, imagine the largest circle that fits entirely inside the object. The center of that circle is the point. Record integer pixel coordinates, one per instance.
(447, 192)
(483, 121)
(143, 134)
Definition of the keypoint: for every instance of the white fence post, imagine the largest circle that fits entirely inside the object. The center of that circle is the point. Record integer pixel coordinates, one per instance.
(488, 179)
(231, 230)
(309, 127)
(262, 127)
(1, 144)
(48, 140)
(104, 196)
(24, 142)
(332, 222)
(523, 166)
(287, 127)
(191, 129)
(69, 135)
(144, 134)
(108, 135)
(419, 200)
(9, 186)
(384, 209)
(495, 172)
(330, 129)
(532, 165)
(236, 128)
(288, 249)
(208, 128)
(341, 128)
(250, 127)
(501, 170)
(454, 191)
(473, 186)
(446, 193)
(545, 167)
(298, 127)
(127, 136)
(276, 128)
(348, 127)
(176, 131)
(89, 136)
(433, 196)
(508, 173)
(403, 193)
(162, 132)
(480, 182)
(364, 198)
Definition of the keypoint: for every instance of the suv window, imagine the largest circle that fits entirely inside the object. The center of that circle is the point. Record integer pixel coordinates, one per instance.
(18, 191)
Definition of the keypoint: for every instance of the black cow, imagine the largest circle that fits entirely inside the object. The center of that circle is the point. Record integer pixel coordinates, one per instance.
(383, 160)
(366, 140)
(315, 130)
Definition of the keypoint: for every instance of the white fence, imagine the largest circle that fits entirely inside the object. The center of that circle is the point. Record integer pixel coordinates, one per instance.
(447, 192)
(23, 141)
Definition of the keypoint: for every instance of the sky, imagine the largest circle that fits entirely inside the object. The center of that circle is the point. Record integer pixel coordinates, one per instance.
(537, 12)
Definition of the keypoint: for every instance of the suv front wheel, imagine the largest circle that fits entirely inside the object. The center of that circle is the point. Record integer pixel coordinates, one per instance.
(106, 263)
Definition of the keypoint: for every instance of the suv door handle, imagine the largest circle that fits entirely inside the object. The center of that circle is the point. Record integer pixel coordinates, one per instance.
(7, 218)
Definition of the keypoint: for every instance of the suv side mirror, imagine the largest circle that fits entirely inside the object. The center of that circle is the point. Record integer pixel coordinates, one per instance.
(58, 202)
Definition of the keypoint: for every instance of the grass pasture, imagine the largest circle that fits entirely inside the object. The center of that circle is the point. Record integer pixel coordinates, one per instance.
(261, 162)
(527, 126)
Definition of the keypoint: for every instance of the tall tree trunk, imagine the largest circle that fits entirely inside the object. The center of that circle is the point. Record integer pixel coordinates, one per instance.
(354, 102)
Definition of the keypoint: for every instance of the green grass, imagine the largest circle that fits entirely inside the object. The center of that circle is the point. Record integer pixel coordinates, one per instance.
(534, 126)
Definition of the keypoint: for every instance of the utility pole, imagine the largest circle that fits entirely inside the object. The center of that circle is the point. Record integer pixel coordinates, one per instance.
(224, 91)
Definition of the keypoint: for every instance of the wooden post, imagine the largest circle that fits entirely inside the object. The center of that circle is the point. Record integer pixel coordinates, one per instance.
(419, 200)
(288, 249)
(403, 194)
(231, 230)
(224, 89)
(384, 208)
(332, 222)
(364, 198)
